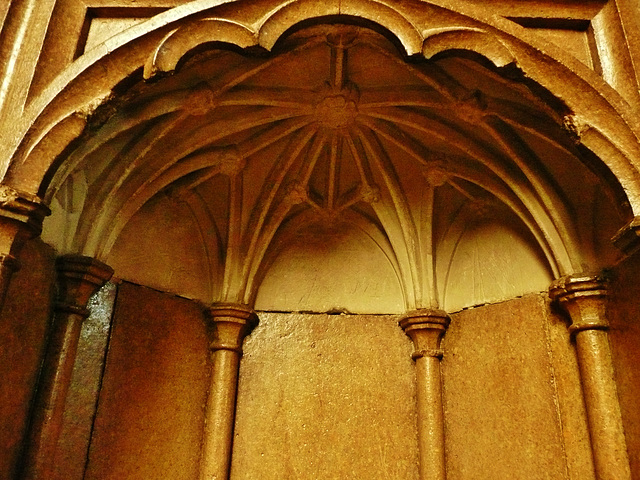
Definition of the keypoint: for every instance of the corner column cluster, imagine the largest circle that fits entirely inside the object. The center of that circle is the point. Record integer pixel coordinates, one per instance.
(583, 299)
(78, 279)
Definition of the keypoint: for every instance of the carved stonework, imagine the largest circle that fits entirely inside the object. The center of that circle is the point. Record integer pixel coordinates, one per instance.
(22, 207)
(230, 324)
(583, 297)
(370, 156)
(78, 278)
(628, 237)
(426, 328)
(423, 159)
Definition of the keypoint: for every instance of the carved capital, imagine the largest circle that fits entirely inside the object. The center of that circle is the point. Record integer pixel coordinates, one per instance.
(23, 208)
(231, 324)
(425, 328)
(78, 278)
(583, 298)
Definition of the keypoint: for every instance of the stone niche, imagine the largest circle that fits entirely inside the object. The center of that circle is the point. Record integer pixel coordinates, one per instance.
(333, 186)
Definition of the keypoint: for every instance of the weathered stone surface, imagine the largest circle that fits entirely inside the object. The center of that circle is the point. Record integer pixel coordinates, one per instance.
(623, 314)
(82, 398)
(151, 408)
(247, 152)
(501, 413)
(326, 396)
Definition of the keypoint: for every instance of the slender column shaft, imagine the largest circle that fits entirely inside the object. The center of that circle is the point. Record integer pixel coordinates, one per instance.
(220, 415)
(583, 298)
(603, 409)
(78, 279)
(230, 325)
(426, 328)
(52, 393)
(430, 419)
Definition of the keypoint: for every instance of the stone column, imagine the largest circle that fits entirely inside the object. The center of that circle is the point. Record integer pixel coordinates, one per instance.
(583, 298)
(230, 324)
(425, 328)
(78, 279)
(21, 217)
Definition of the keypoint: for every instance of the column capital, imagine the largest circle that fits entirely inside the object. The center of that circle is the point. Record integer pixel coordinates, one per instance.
(425, 327)
(23, 208)
(79, 277)
(583, 298)
(231, 324)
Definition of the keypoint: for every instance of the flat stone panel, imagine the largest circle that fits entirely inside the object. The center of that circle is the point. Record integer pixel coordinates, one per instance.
(24, 326)
(624, 315)
(501, 416)
(177, 265)
(151, 407)
(491, 262)
(326, 397)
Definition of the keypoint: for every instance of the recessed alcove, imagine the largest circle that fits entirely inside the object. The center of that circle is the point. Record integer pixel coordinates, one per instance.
(332, 186)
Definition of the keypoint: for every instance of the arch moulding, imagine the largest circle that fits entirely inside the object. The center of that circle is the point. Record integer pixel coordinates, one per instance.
(600, 118)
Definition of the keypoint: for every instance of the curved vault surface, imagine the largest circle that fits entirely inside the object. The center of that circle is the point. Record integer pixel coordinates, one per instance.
(435, 175)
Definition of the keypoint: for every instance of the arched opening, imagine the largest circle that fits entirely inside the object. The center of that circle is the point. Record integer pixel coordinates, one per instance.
(332, 184)
(335, 182)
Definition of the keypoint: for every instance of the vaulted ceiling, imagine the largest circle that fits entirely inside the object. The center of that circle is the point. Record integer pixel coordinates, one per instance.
(434, 173)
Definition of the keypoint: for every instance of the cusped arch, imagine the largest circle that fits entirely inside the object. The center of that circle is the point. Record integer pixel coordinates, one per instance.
(474, 39)
(604, 123)
(185, 38)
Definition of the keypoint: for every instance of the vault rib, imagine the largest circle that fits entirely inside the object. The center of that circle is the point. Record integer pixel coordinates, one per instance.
(261, 228)
(475, 150)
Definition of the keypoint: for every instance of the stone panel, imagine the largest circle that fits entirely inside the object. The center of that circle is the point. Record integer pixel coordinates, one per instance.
(326, 396)
(501, 414)
(150, 413)
(24, 325)
(623, 315)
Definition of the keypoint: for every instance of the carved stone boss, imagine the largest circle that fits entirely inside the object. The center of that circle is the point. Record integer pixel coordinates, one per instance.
(230, 325)
(583, 298)
(78, 278)
(425, 328)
